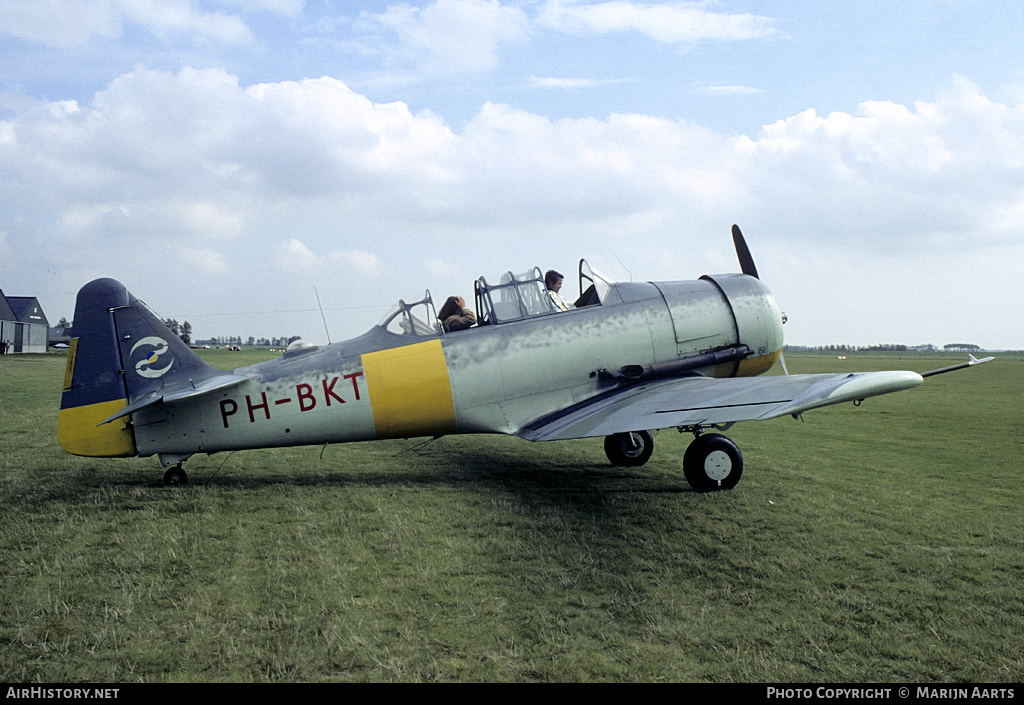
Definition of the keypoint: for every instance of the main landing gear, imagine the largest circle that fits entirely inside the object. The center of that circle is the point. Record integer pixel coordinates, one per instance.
(629, 449)
(712, 462)
(175, 476)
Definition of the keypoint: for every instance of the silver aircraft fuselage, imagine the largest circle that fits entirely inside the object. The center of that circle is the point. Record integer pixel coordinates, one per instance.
(488, 379)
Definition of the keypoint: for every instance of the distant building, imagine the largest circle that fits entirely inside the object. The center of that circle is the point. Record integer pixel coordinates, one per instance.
(23, 325)
(60, 335)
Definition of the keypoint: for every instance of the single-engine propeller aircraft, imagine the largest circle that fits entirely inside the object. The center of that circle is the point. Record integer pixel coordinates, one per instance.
(628, 359)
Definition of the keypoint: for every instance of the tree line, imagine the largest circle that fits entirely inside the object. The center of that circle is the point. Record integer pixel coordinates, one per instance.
(251, 341)
(891, 347)
(184, 331)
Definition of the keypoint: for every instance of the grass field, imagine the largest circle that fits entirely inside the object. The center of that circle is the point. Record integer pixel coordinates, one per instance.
(879, 543)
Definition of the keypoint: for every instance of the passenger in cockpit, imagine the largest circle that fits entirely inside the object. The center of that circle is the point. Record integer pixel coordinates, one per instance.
(553, 282)
(454, 315)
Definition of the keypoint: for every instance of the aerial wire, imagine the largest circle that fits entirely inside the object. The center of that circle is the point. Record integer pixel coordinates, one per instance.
(322, 315)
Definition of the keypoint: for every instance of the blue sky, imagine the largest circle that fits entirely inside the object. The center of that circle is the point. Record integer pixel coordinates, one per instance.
(225, 157)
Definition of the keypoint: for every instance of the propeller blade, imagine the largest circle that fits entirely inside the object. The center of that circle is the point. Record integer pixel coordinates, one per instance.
(746, 261)
(748, 268)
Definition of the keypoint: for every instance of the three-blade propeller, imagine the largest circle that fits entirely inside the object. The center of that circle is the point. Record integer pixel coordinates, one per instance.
(748, 268)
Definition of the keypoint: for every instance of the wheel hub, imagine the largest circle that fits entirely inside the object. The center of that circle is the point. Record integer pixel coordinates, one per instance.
(718, 465)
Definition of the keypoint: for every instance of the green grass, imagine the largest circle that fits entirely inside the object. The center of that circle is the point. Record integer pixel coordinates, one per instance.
(879, 543)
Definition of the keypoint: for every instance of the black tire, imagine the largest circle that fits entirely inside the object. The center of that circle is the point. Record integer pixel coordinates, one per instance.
(712, 462)
(629, 449)
(175, 476)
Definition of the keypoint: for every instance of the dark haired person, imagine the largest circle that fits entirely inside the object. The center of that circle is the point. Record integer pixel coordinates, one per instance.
(454, 315)
(553, 282)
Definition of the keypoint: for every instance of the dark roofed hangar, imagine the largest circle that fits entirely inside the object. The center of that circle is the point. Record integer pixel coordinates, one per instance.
(23, 325)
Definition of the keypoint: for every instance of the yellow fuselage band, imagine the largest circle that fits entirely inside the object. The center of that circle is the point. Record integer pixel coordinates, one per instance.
(410, 391)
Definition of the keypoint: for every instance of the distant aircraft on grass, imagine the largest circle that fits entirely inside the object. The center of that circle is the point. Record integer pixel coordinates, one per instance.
(628, 359)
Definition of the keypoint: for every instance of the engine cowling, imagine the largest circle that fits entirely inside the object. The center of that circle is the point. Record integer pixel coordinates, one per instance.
(723, 311)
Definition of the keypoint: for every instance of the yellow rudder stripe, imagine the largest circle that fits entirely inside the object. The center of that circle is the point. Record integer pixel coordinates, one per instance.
(79, 434)
(410, 391)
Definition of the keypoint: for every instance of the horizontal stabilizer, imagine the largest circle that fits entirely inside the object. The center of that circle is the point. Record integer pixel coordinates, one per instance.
(188, 390)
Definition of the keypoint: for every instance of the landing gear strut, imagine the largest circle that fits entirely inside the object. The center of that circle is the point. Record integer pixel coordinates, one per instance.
(175, 476)
(712, 462)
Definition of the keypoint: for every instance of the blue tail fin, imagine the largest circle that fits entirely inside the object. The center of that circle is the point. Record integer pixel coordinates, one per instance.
(120, 353)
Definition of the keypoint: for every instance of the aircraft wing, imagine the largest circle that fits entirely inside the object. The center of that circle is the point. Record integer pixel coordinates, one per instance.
(697, 400)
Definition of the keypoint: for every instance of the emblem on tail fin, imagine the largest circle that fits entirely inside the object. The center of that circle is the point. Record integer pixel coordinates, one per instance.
(144, 367)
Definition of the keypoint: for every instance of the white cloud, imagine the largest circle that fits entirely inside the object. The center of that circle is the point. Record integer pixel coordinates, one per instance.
(355, 261)
(224, 158)
(60, 23)
(207, 261)
(319, 137)
(199, 145)
(892, 172)
(536, 170)
(314, 180)
(75, 23)
(288, 8)
(570, 83)
(665, 22)
(294, 257)
(83, 218)
(182, 17)
(215, 219)
(439, 268)
(451, 36)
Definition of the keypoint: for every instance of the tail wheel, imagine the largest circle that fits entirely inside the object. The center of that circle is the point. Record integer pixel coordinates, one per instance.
(629, 449)
(712, 462)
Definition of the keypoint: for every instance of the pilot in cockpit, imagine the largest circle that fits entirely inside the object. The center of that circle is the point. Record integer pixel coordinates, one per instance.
(553, 282)
(454, 315)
